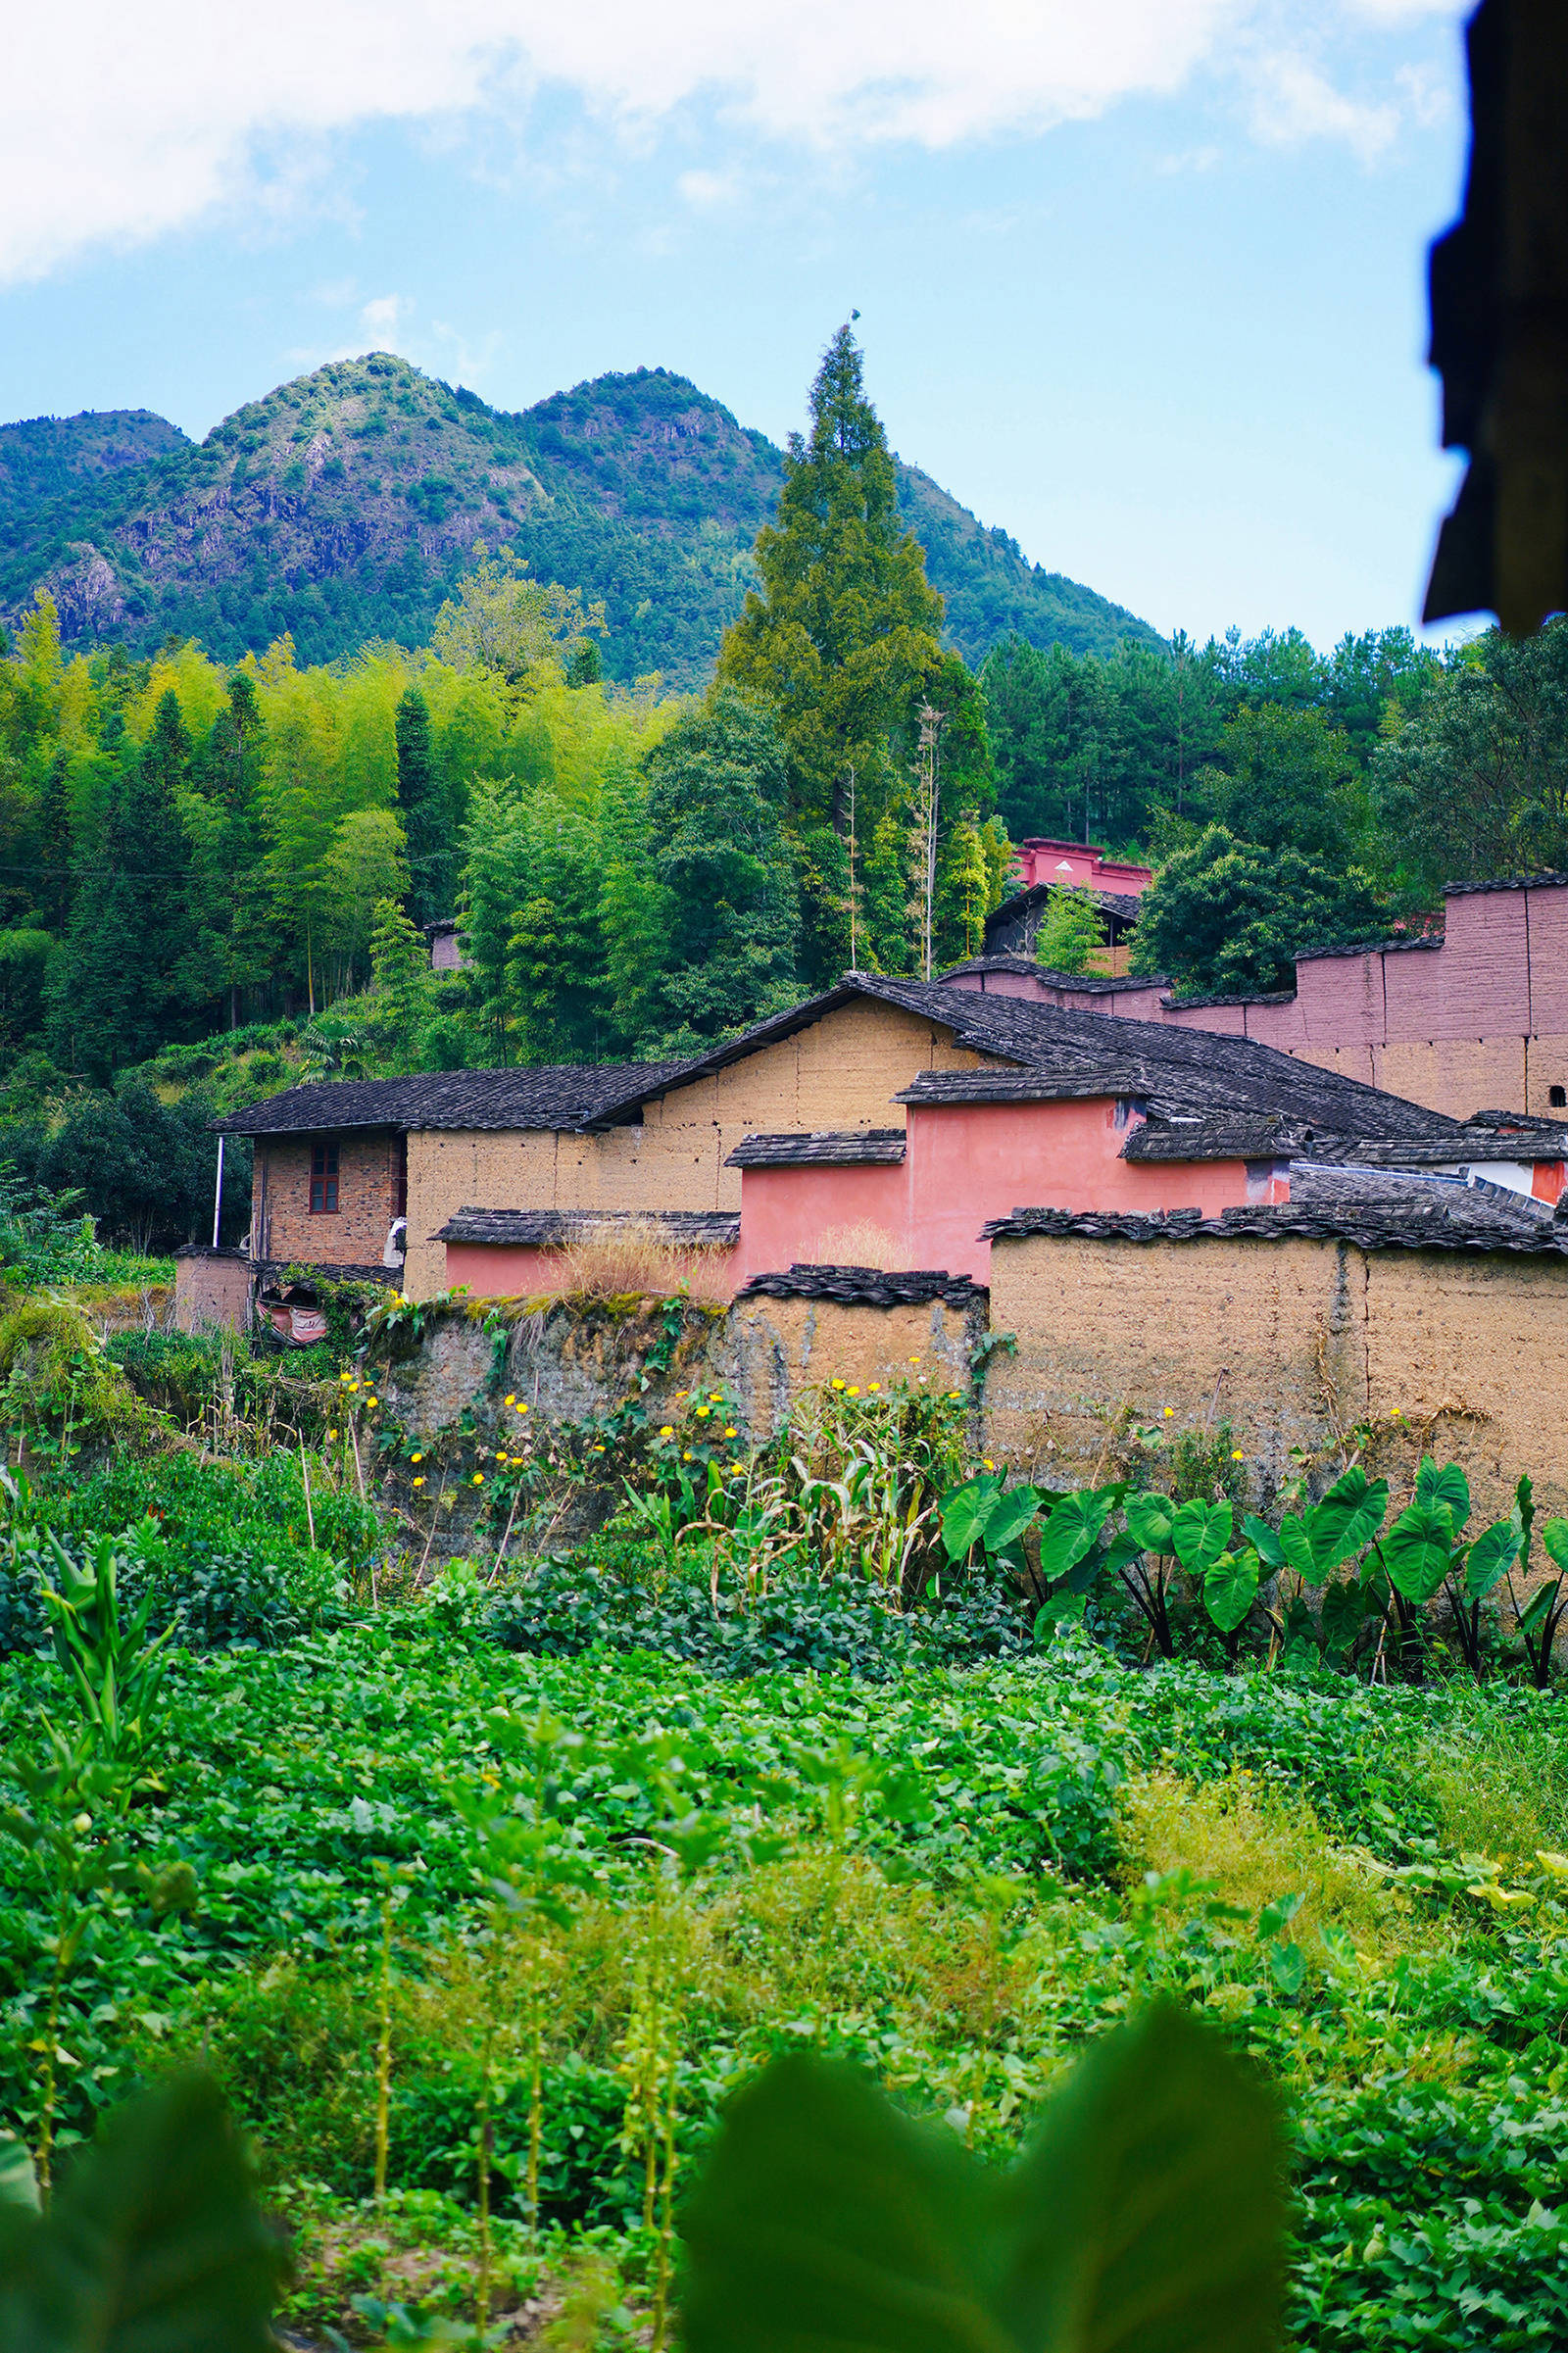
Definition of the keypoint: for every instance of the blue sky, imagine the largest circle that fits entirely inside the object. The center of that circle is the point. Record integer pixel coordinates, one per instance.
(1140, 282)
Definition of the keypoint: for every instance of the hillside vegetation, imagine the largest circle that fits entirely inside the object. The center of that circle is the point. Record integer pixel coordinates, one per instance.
(343, 506)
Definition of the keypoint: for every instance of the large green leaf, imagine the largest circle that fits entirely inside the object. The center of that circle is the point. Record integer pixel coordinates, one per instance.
(1339, 1618)
(1347, 1519)
(1295, 1542)
(825, 2219)
(153, 2244)
(1011, 1514)
(1264, 1541)
(19, 2185)
(1448, 1486)
(1417, 1550)
(1555, 1536)
(1494, 1550)
(966, 1513)
(1201, 1533)
(1148, 2219)
(1148, 1520)
(1071, 1530)
(1231, 1588)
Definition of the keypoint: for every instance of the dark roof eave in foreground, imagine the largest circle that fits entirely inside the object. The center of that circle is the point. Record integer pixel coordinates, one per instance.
(1371, 1227)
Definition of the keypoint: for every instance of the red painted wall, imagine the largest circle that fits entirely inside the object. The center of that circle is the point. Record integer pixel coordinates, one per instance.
(789, 1215)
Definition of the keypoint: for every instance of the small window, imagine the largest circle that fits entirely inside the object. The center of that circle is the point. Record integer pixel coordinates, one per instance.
(1557, 1097)
(323, 1179)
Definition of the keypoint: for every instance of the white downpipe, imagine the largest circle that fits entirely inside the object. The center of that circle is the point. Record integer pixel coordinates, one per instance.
(218, 1193)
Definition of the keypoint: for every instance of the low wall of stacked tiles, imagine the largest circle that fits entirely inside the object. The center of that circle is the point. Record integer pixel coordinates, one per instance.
(1296, 1345)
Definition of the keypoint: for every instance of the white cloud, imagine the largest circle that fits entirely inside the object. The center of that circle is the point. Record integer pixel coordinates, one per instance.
(707, 189)
(381, 316)
(121, 123)
(1292, 101)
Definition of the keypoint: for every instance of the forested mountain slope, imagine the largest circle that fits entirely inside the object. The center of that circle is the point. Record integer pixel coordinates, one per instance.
(342, 506)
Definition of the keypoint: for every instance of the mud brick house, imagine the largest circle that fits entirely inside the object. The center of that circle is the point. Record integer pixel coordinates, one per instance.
(922, 1109)
(1476, 1013)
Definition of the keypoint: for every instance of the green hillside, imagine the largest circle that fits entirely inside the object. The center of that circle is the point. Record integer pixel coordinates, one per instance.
(342, 506)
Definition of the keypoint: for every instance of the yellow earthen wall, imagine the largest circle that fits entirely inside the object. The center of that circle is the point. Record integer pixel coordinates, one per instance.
(1285, 1340)
(818, 1340)
(1458, 1075)
(842, 1072)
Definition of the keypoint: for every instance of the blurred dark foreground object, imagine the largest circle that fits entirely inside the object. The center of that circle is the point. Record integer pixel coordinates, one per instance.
(1499, 326)
(153, 2243)
(1147, 2216)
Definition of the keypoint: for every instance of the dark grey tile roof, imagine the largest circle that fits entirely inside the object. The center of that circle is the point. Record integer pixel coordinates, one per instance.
(1370, 1225)
(1122, 904)
(871, 1148)
(561, 1095)
(1546, 881)
(549, 1229)
(1229, 1136)
(1093, 984)
(866, 1286)
(1331, 1187)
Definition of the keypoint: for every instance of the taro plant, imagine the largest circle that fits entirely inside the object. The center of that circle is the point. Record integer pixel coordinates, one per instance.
(1314, 1542)
(1424, 1554)
(1197, 1536)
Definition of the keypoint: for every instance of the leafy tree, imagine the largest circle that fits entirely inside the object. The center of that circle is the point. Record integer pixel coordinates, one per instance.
(517, 627)
(1071, 934)
(840, 636)
(715, 803)
(1225, 915)
(1474, 783)
(1284, 779)
(555, 977)
(146, 1168)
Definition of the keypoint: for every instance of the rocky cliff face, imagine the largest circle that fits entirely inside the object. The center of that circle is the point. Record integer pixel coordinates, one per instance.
(343, 506)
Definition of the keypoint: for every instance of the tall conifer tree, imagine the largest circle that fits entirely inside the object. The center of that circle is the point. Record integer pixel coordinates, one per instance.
(839, 637)
(423, 817)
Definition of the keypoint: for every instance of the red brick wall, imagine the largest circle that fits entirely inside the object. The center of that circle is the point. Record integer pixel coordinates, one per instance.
(283, 1226)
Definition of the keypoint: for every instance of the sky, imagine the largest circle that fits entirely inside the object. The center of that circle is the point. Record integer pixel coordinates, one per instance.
(1142, 281)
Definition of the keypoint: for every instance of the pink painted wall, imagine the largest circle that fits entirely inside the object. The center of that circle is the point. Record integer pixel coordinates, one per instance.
(492, 1270)
(1082, 865)
(973, 1161)
(787, 1216)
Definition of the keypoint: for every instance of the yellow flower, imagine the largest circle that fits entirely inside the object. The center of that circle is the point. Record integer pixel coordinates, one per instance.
(347, 1380)
(501, 1457)
(1237, 1455)
(667, 1431)
(682, 1395)
(686, 1457)
(1169, 1412)
(735, 1469)
(372, 1402)
(702, 1413)
(416, 1457)
(478, 1477)
(986, 1459)
(954, 1393)
(715, 1395)
(874, 1386)
(332, 1434)
(512, 1401)
(418, 1483)
(838, 1384)
(1394, 1414)
(522, 1408)
(852, 1391)
(731, 1430)
(914, 1359)
(596, 1449)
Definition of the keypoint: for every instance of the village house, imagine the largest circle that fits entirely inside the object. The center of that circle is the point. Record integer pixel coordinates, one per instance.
(1045, 865)
(1476, 1012)
(908, 1113)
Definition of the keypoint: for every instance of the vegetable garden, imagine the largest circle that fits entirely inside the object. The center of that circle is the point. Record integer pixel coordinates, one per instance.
(481, 1866)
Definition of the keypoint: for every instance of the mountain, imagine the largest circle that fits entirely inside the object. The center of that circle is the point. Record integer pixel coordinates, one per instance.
(342, 506)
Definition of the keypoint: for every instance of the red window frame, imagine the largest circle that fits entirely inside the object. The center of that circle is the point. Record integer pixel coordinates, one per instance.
(324, 1180)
